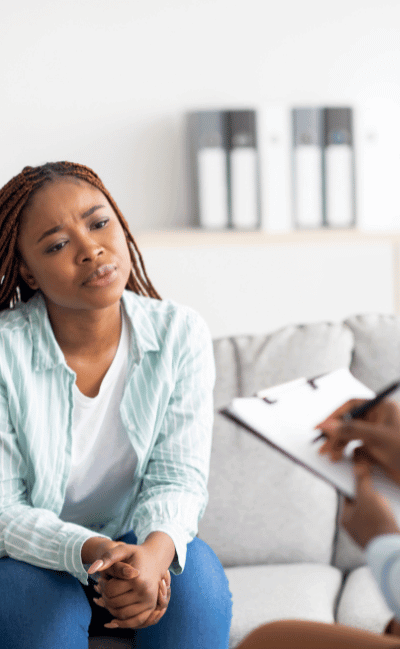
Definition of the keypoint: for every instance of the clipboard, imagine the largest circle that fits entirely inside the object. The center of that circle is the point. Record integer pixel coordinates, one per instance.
(285, 417)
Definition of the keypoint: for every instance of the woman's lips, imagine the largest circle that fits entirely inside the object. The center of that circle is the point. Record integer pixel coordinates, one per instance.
(102, 276)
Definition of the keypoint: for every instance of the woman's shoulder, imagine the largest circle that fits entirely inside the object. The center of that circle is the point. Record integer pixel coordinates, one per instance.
(16, 324)
(166, 318)
(15, 319)
(159, 310)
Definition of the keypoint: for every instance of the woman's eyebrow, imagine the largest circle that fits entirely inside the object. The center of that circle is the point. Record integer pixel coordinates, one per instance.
(59, 227)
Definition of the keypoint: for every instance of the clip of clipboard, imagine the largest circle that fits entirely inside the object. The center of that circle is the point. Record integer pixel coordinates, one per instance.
(285, 417)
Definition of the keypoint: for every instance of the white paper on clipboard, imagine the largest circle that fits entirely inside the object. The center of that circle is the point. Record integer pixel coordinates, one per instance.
(285, 417)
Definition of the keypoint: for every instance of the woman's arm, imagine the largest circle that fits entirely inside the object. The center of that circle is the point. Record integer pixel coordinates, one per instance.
(174, 488)
(27, 533)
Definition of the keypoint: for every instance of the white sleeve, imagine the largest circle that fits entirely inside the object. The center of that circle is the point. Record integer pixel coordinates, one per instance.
(383, 556)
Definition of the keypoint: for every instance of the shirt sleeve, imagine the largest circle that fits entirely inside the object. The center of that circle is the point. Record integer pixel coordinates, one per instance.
(174, 493)
(34, 535)
(383, 556)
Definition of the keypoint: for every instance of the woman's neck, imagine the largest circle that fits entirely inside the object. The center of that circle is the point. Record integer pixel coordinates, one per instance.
(86, 332)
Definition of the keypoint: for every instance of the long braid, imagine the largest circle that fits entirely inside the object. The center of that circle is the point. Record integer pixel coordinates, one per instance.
(15, 197)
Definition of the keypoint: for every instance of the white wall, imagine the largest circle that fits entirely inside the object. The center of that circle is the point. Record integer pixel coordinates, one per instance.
(244, 289)
(107, 83)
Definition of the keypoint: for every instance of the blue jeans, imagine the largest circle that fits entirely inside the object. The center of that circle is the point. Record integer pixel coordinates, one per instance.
(47, 609)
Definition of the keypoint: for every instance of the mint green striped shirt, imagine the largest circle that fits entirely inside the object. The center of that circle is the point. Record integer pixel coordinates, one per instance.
(166, 410)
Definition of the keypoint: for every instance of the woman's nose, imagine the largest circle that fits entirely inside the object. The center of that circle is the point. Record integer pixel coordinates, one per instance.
(89, 249)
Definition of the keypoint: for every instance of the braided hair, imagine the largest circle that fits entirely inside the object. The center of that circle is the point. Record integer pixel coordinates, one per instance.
(16, 195)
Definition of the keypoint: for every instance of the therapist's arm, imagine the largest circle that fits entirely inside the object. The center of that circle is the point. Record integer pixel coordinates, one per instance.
(370, 522)
(368, 515)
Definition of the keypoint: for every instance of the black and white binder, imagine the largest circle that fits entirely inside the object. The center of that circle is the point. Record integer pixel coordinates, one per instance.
(243, 170)
(224, 167)
(339, 168)
(308, 167)
(285, 417)
(208, 151)
(323, 168)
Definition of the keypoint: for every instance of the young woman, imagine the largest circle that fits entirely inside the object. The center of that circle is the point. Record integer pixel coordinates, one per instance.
(105, 428)
(369, 521)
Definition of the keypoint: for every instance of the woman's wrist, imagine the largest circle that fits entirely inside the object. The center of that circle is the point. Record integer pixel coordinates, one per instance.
(94, 547)
(162, 548)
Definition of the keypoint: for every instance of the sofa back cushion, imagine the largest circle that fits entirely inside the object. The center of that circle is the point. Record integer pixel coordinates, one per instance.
(263, 508)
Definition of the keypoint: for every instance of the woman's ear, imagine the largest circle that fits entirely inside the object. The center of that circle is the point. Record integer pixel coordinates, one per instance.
(27, 276)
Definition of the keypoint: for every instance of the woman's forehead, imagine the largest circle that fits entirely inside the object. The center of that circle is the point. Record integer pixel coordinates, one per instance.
(60, 198)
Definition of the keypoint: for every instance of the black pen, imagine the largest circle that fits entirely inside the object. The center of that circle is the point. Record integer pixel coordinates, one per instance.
(359, 411)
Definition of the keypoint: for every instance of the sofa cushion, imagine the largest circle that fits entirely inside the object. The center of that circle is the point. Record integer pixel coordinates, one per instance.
(376, 358)
(263, 508)
(361, 604)
(262, 594)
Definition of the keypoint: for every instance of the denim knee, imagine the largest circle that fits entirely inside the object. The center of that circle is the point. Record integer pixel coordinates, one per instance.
(200, 610)
(41, 609)
(209, 577)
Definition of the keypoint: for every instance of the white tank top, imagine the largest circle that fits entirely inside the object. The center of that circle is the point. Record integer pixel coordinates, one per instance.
(103, 459)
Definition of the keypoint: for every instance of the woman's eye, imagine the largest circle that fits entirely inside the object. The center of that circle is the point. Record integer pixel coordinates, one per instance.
(56, 247)
(100, 224)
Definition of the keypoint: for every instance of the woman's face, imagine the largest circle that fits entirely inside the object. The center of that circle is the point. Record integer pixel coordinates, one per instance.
(73, 246)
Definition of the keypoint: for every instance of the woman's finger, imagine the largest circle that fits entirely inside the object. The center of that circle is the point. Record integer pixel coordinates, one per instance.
(167, 578)
(133, 622)
(121, 570)
(99, 601)
(112, 588)
(119, 553)
(153, 619)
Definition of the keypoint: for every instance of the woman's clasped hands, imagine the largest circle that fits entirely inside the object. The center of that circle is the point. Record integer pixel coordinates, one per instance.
(130, 585)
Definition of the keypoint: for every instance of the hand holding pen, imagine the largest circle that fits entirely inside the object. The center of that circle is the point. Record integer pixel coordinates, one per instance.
(375, 422)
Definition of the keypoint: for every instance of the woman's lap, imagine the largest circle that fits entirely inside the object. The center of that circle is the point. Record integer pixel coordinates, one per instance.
(45, 609)
(41, 609)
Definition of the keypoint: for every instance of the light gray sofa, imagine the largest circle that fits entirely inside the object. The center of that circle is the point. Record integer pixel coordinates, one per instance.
(272, 523)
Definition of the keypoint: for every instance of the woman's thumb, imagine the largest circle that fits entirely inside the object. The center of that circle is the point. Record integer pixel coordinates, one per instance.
(109, 558)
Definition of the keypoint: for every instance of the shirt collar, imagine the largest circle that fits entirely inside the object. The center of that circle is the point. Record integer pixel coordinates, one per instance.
(142, 330)
(46, 350)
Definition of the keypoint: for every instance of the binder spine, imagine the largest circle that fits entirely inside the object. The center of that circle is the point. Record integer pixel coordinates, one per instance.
(308, 168)
(243, 170)
(339, 163)
(208, 160)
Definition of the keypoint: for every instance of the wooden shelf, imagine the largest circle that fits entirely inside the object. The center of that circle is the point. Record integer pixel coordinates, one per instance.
(193, 237)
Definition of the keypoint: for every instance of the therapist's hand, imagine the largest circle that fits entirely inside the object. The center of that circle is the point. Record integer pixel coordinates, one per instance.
(368, 515)
(379, 430)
